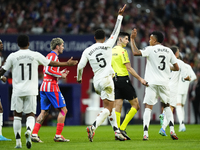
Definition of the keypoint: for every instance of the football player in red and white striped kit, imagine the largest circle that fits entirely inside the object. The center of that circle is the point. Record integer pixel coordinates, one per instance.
(50, 93)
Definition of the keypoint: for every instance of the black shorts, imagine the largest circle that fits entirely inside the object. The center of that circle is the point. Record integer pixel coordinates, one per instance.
(124, 88)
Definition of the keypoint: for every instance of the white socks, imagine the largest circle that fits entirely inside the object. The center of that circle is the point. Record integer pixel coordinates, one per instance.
(113, 121)
(17, 125)
(1, 122)
(100, 118)
(169, 118)
(179, 113)
(165, 122)
(146, 120)
(30, 122)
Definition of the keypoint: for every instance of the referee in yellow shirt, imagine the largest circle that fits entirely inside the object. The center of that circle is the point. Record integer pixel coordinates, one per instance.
(123, 87)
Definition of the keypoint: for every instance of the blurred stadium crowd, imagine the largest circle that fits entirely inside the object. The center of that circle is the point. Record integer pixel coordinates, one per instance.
(178, 19)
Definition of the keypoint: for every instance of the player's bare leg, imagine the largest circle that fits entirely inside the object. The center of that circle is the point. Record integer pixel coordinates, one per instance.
(40, 119)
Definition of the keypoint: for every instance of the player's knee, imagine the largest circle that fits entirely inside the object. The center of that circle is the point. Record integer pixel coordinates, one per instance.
(46, 113)
(63, 111)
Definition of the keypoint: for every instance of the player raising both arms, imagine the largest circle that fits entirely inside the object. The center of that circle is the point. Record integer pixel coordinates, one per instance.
(99, 56)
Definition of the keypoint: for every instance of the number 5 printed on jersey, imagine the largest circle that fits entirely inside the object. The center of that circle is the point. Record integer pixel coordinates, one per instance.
(100, 60)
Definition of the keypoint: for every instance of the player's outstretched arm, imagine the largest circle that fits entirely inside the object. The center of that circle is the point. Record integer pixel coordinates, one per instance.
(121, 10)
(70, 62)
(113, 37)
(134, 48)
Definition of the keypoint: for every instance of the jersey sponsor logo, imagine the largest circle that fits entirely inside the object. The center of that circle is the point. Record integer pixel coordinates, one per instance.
(111, 37)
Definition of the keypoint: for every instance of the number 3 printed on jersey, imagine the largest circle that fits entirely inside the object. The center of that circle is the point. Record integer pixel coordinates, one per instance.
(100, 60)
(162, 63)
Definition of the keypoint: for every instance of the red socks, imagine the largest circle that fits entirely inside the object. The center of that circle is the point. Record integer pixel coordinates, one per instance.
(36, 128)
(59, 128)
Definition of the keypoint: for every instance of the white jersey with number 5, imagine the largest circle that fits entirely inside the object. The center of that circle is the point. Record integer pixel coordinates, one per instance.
(24, 65)
(159, 58)
(99, 56)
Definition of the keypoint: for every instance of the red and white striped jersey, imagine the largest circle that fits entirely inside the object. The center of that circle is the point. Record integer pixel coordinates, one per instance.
(51, 75)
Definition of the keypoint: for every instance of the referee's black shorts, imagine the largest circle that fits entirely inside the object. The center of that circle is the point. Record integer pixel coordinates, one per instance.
(124, 88)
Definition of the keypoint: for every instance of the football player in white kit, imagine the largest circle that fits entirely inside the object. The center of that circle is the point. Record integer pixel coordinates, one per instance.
(24, 65)
(2, 138)
(174, 85)
(182, 96)
(99, 56)
(157, 75)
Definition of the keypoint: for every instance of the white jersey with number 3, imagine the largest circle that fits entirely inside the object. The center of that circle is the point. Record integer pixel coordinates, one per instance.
(159, 58)
(24, 65)
(99, 56)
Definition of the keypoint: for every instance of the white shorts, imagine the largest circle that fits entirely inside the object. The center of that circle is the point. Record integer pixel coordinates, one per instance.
(105, 88)
(181, 98)
(152, 91)
(173, 99)
(26, 104)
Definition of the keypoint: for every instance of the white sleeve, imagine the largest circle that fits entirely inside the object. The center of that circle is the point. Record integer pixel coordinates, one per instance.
(173, 59)
(8, 63)
(145, 51)
(111, 41)
(192, 74)
(42, 60)
(82, 63)
(184, 71)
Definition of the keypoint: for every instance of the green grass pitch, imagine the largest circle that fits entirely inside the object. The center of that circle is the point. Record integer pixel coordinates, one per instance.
(104, 139)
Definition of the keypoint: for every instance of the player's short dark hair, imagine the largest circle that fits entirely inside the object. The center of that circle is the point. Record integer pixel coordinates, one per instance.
(99, 34)
(123, 34)
(158, 35)
(23, 40)
(174, 49)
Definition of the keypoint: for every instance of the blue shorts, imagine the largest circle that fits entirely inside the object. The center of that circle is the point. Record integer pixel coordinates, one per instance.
(51, 98)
